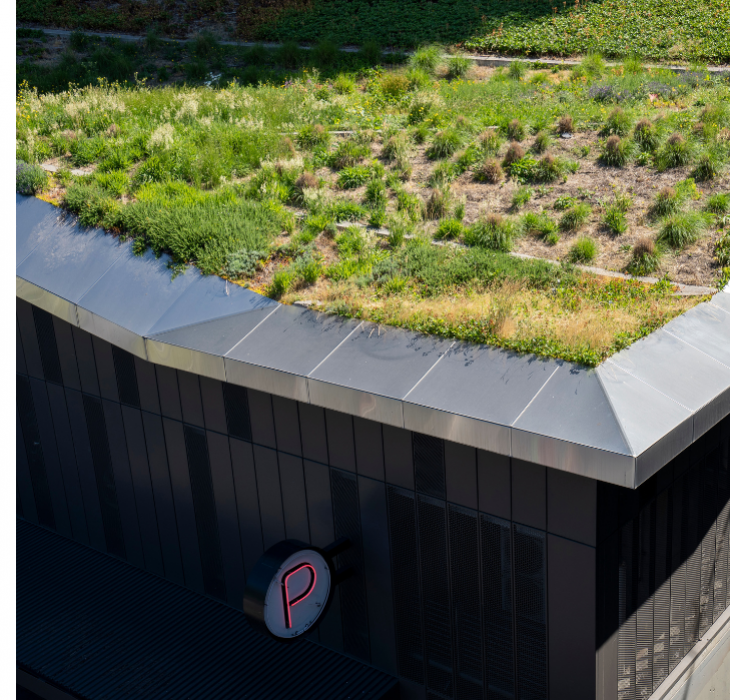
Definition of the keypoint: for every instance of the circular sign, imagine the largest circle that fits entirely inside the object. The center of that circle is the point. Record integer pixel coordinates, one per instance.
(288, 590)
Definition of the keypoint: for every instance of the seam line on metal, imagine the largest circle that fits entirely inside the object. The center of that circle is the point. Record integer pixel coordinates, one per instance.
(651, 386)
(334, 350)
(534, 397)
(428, 371)
(694, 347)
(98, 279)
(716, 306)
(251, 331)
(616, 418)
(197, 323)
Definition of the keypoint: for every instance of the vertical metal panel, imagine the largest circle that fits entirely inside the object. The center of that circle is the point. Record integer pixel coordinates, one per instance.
(461, 475)
(225, 505)
(340, 440)
(184, 509)
(169, 392)
(406, 584)
(105, 369)
(143, 495)
(123, 482)
(104, 472)
(85, 361)
(607, 573)
(369, 448)
(52, 466)
(26, 325)
(709, 554)
(428, 465)
(238, 414)
(126, 374)
(528, 494)
(190, 399)
(314, 433)
(67, 459)
(376, 553)
(214, 412)
(645, 611)
(286, 420)
(723, 522)
(676, 612)
(497, 601)
(494, 484)
(22, 471)
(85, 464)
(692, 554)
(46, 335)
(662, 592)
(626, 681)
(353, 597)
(262, 419)
(19, 353)
(66, 353)
(267, 480)
(162, 490)
(466, 609)
(572, 506)
(571, 589)
(398, 452)
(247, 500)
(294, 497)
(530, 612)
(147, 385)
(206, 518)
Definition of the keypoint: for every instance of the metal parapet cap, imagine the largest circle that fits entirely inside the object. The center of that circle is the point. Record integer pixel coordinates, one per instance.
(619, 423)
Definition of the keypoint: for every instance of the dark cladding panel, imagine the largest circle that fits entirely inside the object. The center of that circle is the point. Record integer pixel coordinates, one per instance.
(376, 553)
(123, 483)
(528, 494)
(126, 374)
(267, 479)
(164, 504)
(677, 583)
(85, 361)
(369, 448)
(26, 325)
(495, 489)
(169, 392)
(24, 481)
(225, 505)
(87, 477)
(294, 497)
(238, 415)
(214, 412)
(627, 575)
(461, 475)
(398, 452)
(314, 433)
(286, 420)
(571, 610)
(143, 496)
(262, 419)
(46, 335)
(645, 611)
(247, 500)
(66, 353)
(190, 400)
(428, 465)
(19, 354)
(149, 399)
(406, 589)
(52, 466)
(571, 506)
(184, 508)
(340, 440)
(67, 459)
(105, 369)
(662, 593)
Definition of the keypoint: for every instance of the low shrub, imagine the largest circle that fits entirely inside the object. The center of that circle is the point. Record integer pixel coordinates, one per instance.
(645, 136)
(347, 154)
(515, 152)
(515, 130)
(614, 219)
(313, 135)
(375, 194)
(457, 66)
(489, 142)
(371, 53)
(344, 84)
(645, 258)
(411, 205)
(517, 70)
(346, 210)
(289, 55)
(615, 151)
(618, 123)
(542, 142)
(709, 166)
(541, 226)
(676, 153)
(566, 125)
(521, 197)
(281, 283)
(449, 229)
(490, 171)
(29, 179)
(437, 205)
(115, 182)
(243, 263)
(718, 204)
(394, 85)
(575, 217)
(354, 176)
(493, 232)
(722, 250)
(584, 250)
(325, 54)
(667, 201)
(682, 229)
(444, 144)
(426, 58)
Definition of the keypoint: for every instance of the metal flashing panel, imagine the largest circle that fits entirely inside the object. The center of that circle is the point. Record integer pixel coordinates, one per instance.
(620, 423)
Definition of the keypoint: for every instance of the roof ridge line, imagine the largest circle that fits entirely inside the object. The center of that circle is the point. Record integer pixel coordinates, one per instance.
(607, 396)
(694, 347)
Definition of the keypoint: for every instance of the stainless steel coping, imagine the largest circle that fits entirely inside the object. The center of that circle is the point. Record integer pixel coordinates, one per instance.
(619, 423)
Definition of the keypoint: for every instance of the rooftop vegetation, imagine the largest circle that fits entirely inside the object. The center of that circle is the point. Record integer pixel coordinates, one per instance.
(399, 195)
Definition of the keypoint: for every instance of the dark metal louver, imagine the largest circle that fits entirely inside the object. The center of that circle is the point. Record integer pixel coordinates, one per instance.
(238, 418)
(428, 461)
(126, 376)
(206, 521)
(47, 345)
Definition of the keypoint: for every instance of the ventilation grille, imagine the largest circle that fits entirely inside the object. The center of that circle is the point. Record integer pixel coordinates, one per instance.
(428, 460)
(34, 452)
(353, 601)
(530, 613)
(206, 522)
(126, 376)
(406, 588)
(104, 476)
(47, 345)
(662, 605)
(238, 418)
(467, 625)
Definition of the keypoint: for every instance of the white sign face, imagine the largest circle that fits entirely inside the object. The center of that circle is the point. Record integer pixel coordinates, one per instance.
(298, 594)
